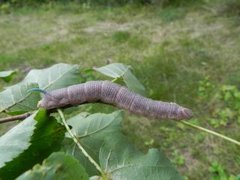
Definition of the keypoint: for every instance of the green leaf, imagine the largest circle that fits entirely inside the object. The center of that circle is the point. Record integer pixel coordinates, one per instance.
(29, 143)
(100, 135)
(122, 161)
(118, 70)
(54, 77)
(56, 166)
(132, 83)
(16, 99)
(91, 132)
(16, 140)
(7, 75)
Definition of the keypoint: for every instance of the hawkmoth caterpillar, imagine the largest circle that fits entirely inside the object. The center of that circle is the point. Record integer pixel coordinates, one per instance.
(114, 94)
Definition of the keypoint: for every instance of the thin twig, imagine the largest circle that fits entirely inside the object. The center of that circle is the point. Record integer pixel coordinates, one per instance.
(14, 118)
(212, 132)
(79, 145)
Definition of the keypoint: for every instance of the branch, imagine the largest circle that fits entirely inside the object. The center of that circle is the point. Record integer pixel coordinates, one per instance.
(14, 118)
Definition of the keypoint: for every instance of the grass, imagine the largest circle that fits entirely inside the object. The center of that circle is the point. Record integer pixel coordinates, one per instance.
(171, 50)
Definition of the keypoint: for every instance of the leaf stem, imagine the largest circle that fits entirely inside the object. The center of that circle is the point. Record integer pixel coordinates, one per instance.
(79, 145)
(116, 79)
(212, 132)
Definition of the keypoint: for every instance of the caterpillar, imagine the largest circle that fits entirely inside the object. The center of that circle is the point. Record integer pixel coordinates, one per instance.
(114, 94)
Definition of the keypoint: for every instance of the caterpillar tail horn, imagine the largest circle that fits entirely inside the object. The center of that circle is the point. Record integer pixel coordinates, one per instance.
(37, 90)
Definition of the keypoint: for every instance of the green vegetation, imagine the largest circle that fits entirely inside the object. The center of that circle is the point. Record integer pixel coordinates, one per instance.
(95, 142)
(188, 54)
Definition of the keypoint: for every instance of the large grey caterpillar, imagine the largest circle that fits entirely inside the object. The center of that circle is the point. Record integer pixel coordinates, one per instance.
(111, 93)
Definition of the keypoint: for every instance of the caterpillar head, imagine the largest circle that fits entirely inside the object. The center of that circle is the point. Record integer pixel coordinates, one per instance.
(53, 100)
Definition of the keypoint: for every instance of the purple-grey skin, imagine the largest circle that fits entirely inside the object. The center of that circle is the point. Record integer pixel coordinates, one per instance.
(114, 94)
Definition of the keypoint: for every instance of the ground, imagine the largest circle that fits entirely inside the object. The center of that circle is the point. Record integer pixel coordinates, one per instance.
(173, 51)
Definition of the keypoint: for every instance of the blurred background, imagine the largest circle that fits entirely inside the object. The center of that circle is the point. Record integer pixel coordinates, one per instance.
(184, 51)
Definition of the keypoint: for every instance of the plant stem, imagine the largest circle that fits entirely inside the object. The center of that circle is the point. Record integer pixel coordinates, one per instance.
(212, 132)
(80, 146)
(14, 118)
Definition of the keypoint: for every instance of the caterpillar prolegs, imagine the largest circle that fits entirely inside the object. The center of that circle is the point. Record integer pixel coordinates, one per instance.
(114, 94)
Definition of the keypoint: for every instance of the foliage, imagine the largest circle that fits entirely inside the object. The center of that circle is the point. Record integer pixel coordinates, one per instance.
(205, 89)
(26, 145)
(178, 158)
(7, 75)
(219, 173)
(18, 99)
(57, 166)
(29, 143)
(106, 144)
(225, 102)
(121, 72)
